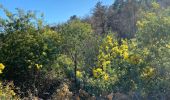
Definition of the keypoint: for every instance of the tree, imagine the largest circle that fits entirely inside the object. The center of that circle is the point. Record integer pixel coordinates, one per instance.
(75, 33)
(99, 19)
(122, 16)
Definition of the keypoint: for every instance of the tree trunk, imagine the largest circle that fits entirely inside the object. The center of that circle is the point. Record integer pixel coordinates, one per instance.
(75, 69)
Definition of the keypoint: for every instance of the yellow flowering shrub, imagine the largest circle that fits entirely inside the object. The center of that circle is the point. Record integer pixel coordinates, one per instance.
(109, 50)
(1, 67)
(121, 61)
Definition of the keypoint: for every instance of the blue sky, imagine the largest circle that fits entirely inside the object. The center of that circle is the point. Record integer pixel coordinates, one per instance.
(55, 11)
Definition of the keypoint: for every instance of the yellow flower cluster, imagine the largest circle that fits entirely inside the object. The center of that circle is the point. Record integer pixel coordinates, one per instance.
(104, 60)
(97, 72)
(123, 50)
(38, 66)
(110, 50)
(100, 73)
(79, 74)
(120, 50)
(1, 68)
(109, 40)
(106, 77)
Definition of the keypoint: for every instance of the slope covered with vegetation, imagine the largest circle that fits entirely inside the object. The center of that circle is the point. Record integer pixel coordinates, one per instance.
(119, 52)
